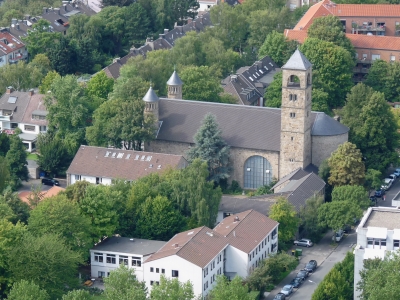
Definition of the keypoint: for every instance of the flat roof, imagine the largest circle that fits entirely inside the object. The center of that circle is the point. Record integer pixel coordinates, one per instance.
(382, 217)
(129, 245)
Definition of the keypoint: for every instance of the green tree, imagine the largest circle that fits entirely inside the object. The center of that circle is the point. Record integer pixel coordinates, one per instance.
(320, 100)
(330, 28)
(19, 208)
(20, 76)
(16, 159)
(309, 217)
(100, 85)
(4, 174)
(210, 147)
(4, 144)
(77, 191)
(172, 289)
(42, 63)
(225, 289)
(377, 76)
(53, 157)
(372, 179)
(353, 193)
(201, 83)
(284, 212)
(273, 93)
(123, 285)
(158, 219)
(346, 166)
(332, 69)
(61, 216)
(116, 2)
(63, 56)
(77, 295)
(277, 47)
(337, 214)
(25, 290)
(338, 283)
(45, 260)
(48, 81)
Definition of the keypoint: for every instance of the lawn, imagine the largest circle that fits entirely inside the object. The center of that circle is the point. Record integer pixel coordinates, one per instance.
(32, 156)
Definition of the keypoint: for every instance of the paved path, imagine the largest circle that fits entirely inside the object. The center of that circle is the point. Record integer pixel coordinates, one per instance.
(326, 255)
(27, 185)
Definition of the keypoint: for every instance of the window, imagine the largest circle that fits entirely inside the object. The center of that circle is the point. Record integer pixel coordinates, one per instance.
(151, 282)
(376, 56)
(111, 259)
(253, 254)
(249, 257)
(259, 247)
(43, 128)
(205, 271)
(29, 128)
(136, 261)
(396, 244)
(175, 273)
(293, 115)
(162, 271)
(98, 257)
(123, 260)
(7, 112)
(101, 274)
(256, 250)
(291, 159)
(77, 177)
(151, 269)
(257, 172)
(291, 138)
(157, 270)
(392, 58)
(37, 117)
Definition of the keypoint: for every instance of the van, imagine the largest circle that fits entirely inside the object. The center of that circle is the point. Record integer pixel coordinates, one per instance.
(338, 236)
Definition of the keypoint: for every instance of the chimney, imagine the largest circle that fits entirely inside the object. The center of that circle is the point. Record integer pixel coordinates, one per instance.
(176, 245)
(116, 60)
(13, 21)
(162, 36)
(31, 92)
(236, 219)
(233, 78)
(189, 20)
(148, 40)
(45, 10)
(166, 31)
(9, 90)
(57, 10)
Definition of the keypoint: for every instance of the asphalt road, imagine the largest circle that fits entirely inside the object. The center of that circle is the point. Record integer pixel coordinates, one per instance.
(27, 185)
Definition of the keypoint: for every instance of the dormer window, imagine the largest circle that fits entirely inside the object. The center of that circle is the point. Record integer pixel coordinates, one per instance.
(37, 117)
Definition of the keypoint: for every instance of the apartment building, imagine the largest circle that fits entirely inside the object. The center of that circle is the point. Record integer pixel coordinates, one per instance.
(377, 235)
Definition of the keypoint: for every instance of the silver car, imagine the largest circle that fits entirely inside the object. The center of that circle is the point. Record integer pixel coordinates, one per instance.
(304, 243)
(287, 289)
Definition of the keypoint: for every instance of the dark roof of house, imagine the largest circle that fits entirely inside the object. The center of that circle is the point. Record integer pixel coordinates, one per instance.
(127, 245)
(325, 125)
(246, 230)
(18, 107)
(121, 164)
(259, 126)
(294, 175)
(198, 246)
(297, 62)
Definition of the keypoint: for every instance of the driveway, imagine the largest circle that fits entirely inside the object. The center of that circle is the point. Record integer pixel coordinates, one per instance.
(326, 256)
(27, 185)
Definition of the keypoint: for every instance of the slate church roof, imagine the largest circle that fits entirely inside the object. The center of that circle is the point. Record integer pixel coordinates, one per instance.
(297, 62)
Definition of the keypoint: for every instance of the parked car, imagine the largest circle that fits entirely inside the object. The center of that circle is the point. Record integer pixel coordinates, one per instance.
(392, 176)
(280, 296)
(337, 237)
(397, 173)
(379, 193)
(311, 266)
(303, 274)
(346, 228)
(287, 289)
(296, 282)
(304, 243)
(387, 183)
(49, 181)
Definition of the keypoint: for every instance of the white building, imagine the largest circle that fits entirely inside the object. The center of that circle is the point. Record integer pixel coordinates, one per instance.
(26, 111)
(377, 235)
(114, 251)
(234, 247)
(99, 165)
(205, 5)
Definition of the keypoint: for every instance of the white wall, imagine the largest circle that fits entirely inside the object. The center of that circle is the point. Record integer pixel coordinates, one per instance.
(3, 60)
(22, 127)
(187, 271)
(91, 179)
(212, 270)
(204, 6)
(236, 262)
(105, 267)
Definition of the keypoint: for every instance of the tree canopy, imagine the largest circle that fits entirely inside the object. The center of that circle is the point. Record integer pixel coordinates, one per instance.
(172, 289)
(234, 289)
(277, 47)
(122, 284)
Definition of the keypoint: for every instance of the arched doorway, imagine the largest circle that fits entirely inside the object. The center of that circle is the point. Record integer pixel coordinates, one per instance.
(257, 172)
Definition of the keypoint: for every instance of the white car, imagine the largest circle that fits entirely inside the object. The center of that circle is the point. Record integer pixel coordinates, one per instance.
(387, 183)
(393, 176)
(287, 289)
(303, 242)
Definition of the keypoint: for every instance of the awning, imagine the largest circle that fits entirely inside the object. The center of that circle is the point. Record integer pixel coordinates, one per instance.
(396, 234)
(28, 137)
(377, 232)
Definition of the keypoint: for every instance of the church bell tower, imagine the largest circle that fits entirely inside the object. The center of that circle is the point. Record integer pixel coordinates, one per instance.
(174, 85)
(295, 150)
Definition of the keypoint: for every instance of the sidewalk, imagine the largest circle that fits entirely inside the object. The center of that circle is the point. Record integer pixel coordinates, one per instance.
(318, 252)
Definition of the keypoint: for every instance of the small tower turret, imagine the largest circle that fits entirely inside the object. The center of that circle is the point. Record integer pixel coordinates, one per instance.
(151, 100)
(174, 86)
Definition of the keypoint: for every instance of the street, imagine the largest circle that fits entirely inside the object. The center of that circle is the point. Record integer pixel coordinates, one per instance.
(326, 255)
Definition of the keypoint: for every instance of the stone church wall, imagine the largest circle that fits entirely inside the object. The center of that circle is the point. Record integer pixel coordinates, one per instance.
(323, 146)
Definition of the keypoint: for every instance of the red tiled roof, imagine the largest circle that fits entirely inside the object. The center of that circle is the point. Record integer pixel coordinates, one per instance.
(246, 230)
(9, 43)
(327, 7)
(198, 246)
(359, 41)
(53, 191)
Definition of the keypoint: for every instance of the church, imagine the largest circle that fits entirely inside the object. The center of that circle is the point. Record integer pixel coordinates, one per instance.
(266, 143)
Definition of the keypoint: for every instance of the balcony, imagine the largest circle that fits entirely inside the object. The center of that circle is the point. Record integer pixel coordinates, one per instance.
(5, 118)
(360, 70)
(364, 61)
(368, 28)
(17, 57)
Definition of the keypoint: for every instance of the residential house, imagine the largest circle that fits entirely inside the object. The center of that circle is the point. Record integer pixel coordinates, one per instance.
(110, 253)
(26, 111)
(249, 83)
(201, 254)
(205, 5)
(12, 49)
(296, 187)
(368, 49)
(100, 165)
(378, 234)
(166, 40)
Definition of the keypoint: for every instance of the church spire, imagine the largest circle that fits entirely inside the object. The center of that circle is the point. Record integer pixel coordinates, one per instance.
(174, 86)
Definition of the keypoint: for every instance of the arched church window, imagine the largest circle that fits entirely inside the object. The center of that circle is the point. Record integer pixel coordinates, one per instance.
(293, 80)
(257, 172)
(290, 97)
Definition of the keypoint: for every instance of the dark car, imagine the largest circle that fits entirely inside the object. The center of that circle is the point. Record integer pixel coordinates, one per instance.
(49, 181)
(296, 282)
(346, 229)
(303, 274)
(311, 266)
(379, 193)
(280, 296)
(372, 201)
